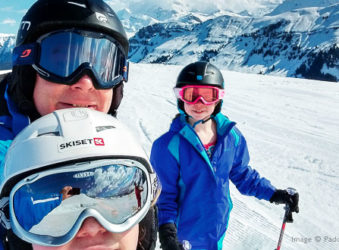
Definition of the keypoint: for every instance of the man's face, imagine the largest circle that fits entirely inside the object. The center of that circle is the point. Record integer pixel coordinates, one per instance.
(49, 96)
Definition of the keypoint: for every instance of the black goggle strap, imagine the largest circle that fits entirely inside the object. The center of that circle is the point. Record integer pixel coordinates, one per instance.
(25, 54)
(4, 213)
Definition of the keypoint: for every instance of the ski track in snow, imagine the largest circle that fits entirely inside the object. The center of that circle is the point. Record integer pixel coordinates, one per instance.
(291, 127)
(144, 131)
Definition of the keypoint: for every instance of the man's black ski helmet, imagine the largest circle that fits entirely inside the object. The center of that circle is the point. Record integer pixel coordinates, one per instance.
(200, 73)
(45, 16)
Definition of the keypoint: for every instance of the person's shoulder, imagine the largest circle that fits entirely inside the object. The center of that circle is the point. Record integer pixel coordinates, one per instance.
(164, 138)
(174, 129)
(237, 130)
(230, 130)
(224, 124)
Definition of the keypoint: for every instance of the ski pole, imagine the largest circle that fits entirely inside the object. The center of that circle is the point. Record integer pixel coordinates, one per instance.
(287, 218)
(282, 231)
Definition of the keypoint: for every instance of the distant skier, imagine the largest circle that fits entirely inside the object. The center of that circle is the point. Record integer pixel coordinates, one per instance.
(196, 160)
(138, 189)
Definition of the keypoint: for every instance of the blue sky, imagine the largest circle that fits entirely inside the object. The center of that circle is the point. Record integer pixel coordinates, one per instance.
(11, 12)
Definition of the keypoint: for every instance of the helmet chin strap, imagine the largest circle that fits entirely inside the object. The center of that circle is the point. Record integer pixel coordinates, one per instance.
(181, 111)
(201, 121)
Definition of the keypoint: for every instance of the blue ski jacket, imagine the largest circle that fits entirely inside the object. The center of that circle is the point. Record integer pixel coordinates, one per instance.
(11, 121)
(195, 188)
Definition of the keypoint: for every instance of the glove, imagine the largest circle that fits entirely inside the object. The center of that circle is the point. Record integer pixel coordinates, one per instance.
(168, 237)
(285, 197)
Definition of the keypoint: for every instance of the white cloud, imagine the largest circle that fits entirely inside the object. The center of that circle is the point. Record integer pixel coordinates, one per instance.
(9, 21)
(6, 9)
(203, 6)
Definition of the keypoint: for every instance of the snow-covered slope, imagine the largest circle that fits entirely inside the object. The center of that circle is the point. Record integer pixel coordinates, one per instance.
(291, 126)
(292, 5)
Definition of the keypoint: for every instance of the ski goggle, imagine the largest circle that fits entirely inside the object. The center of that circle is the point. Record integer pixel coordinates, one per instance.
(64, 56)
(48, 208)
(191, 94)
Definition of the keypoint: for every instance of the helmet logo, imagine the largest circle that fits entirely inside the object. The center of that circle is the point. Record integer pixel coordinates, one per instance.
(25, 25)
(101, 17)
(75, 144)
(199, 77)
(99, 142)
(26, 53)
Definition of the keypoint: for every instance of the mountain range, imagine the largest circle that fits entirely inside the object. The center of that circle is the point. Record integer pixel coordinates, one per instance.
(294, 39)
(286, 38)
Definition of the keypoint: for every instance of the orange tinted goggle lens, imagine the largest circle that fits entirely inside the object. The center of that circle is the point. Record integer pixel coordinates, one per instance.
(190, 94)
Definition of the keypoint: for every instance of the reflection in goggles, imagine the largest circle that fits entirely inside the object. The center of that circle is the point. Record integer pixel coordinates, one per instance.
(115, 191)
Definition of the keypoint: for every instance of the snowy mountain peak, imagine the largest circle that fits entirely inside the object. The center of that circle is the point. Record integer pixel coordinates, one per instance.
(124, 13)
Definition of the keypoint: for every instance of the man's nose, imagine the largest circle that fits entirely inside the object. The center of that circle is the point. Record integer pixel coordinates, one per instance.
(90, 228)
(85, 83)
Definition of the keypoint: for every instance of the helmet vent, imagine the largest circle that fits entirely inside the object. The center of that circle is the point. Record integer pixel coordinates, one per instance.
(102, 128)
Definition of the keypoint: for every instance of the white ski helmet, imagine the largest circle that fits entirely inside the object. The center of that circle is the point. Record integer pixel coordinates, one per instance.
(65, 136)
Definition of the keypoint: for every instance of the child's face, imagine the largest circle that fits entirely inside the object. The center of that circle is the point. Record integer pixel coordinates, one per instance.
(199, 111)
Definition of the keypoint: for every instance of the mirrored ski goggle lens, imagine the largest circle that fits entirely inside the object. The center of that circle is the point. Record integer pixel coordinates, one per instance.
(63, 53)
(190, 94)
(117, 192)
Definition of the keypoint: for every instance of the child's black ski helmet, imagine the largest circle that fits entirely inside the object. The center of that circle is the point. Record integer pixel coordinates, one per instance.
(200, 73)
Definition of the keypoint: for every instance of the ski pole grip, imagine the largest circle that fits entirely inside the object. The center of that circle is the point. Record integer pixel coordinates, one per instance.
(288, 214)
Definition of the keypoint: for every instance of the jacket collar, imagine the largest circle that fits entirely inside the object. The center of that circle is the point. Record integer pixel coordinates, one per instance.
(224, 125)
